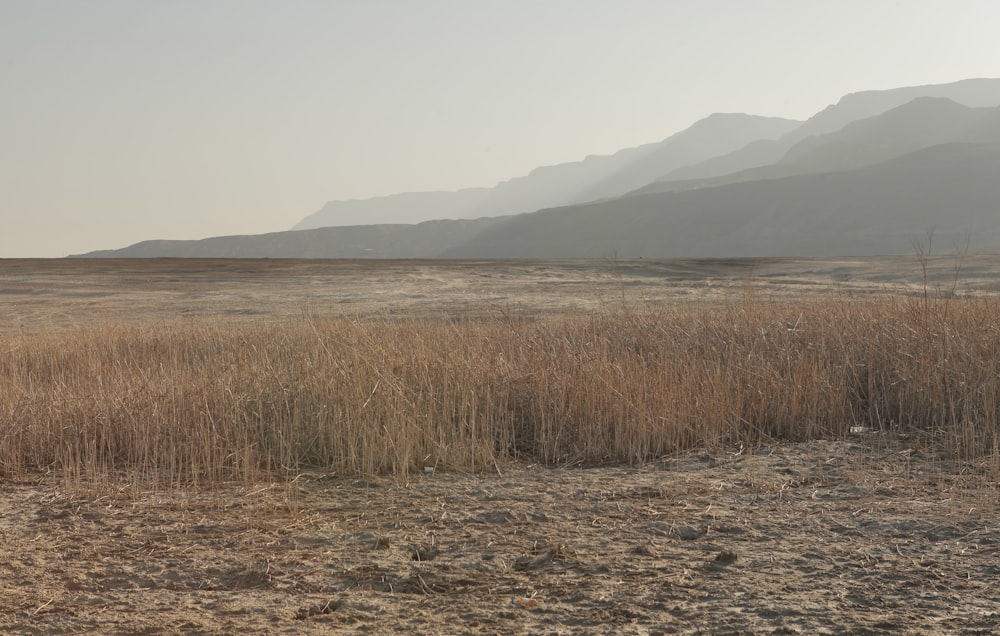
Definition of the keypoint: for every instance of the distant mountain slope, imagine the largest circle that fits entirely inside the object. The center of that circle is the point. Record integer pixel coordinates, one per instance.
(599, 177)
(974, 93)
(875, 210)
(715, 135)
(366, 241)
(405, 207)
(852, 107)
(867, 187)
(594, 177)
(879, 209)
(921, 123)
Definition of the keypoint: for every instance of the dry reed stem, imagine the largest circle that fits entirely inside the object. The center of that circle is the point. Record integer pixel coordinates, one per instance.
(169, 405)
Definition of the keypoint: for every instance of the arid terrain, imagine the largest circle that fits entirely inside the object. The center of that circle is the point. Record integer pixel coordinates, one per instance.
(873, 532)
(53, 294)
(824, 537)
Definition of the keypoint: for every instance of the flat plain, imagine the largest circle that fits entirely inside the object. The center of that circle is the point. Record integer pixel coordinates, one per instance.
(869, 532)
(67, 293)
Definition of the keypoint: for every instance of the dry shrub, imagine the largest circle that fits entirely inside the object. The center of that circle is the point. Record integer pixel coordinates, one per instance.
(198, 404)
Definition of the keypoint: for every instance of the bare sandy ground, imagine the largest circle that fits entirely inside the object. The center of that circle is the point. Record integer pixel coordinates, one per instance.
(843, 537)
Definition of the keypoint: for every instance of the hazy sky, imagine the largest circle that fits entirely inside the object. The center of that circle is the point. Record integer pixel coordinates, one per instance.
(124, 120)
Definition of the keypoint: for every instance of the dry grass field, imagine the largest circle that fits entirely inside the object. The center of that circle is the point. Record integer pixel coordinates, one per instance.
(636, 447)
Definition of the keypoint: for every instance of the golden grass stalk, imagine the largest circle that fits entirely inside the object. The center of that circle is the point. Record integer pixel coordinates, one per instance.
(187, 404)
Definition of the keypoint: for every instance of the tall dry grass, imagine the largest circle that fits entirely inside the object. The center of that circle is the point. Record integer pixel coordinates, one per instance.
(201, 403)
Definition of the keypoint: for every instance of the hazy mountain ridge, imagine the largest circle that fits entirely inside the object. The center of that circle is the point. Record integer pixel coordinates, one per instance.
(595, 177)
(868, 187)
(952, 188)
(404, 207)
(921, 123)
(631, 168)
(852, 107)
(361, 241)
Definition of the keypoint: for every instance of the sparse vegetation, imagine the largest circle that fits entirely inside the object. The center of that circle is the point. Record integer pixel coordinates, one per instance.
(196, 404)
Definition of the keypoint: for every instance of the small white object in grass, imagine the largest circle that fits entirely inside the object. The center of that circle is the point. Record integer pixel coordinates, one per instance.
(428, 469)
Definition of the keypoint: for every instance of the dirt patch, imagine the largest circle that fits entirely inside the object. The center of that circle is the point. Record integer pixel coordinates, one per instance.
(854, 536)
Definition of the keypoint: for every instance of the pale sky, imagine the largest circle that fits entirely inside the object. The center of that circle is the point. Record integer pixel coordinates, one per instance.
(126, 120)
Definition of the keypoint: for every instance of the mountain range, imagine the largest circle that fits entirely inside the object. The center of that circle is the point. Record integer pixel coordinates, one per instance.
(596, 177)
(864, 176)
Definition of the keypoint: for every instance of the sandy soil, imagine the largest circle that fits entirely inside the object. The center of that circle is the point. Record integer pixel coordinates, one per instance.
(856, 536)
